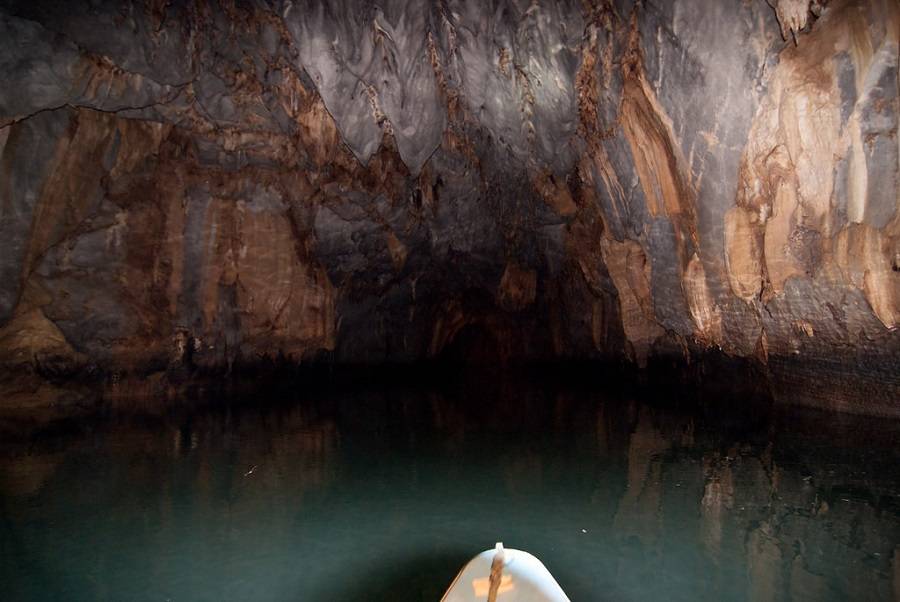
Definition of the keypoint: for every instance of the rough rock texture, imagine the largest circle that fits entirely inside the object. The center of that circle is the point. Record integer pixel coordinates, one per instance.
(188, 185)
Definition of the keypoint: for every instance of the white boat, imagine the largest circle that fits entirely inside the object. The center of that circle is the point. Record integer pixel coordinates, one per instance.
(504, 575)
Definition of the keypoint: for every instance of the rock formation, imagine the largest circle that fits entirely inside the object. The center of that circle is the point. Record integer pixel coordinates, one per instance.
(190, 185)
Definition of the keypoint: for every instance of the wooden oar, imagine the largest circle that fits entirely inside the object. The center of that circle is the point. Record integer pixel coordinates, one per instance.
(496, 573)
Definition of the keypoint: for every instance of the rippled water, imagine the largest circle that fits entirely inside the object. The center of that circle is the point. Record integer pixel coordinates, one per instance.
(383, 494)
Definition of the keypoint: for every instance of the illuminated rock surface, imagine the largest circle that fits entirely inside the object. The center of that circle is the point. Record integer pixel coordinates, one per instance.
(194, 186)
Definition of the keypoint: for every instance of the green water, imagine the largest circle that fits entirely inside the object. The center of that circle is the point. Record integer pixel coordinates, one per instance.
(374, 493)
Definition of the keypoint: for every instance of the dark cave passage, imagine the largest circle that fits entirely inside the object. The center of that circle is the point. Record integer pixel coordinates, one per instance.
(317, 299)
(473, 345)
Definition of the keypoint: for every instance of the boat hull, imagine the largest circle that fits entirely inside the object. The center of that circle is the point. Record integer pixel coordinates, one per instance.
(524, 578)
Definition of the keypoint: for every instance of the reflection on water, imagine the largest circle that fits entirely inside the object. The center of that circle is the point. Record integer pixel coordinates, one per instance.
(383, 495)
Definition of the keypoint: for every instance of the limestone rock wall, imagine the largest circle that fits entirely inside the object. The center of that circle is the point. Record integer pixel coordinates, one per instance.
(193, 184)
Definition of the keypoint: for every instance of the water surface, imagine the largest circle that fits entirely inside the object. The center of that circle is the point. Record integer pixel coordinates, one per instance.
(379, 493)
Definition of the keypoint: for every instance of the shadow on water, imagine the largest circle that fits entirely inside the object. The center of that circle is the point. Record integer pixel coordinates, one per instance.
(408, 575)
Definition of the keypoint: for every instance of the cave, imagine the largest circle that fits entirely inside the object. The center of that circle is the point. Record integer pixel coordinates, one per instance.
(318, 299)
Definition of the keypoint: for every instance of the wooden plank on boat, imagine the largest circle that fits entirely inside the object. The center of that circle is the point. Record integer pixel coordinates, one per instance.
(504, 575)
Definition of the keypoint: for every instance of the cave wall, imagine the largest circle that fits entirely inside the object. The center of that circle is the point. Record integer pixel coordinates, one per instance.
(199, 183)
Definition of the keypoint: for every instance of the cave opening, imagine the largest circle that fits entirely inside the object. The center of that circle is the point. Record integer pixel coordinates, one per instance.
(318, 299)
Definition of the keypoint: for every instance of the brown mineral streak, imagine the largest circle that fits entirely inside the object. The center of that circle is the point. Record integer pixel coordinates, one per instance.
(518, 287)
(787, 181)
(656, 153)
(743, 255)
(65, 197)
(189, 222)
(555, 193)
(663, 175)
(284, 298)
(587, 85)
(630, 271)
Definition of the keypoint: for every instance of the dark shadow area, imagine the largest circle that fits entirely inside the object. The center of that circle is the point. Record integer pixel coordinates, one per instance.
(405, 574)
(473, 346)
